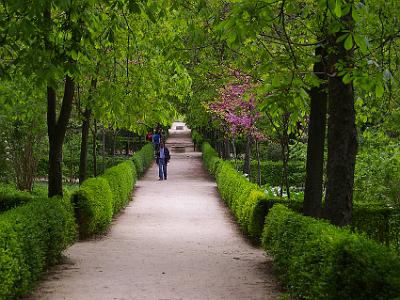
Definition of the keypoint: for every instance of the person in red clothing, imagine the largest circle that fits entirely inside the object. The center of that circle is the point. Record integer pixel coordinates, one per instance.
(149, 136)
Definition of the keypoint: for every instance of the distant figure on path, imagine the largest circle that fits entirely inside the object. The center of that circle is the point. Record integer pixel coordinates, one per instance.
(149, 136)
(162, 159)
(156, 140)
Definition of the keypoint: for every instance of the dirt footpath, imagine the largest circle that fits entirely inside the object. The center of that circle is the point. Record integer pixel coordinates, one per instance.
(175, 240)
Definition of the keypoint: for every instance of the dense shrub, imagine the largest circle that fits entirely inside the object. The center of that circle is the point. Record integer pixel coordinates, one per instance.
(377, 173)
(93, 206)
(379, 221)
(11, 197)
(98, 199)
(121, 179)
(243, 197)
(32, 237)
(210, 158)
(271, 172)
(317, 260)
(143, 159)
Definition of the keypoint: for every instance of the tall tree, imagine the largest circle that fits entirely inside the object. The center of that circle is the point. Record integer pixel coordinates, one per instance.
(313, 191)
(342, 132)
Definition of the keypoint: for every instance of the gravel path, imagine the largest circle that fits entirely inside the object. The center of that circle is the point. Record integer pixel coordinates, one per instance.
(175, 240)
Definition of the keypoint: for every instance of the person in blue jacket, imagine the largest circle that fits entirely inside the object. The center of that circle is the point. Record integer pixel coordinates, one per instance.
(162, 159)
(156, 138)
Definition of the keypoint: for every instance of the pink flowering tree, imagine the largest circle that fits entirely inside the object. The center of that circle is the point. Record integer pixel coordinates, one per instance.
(236, 110)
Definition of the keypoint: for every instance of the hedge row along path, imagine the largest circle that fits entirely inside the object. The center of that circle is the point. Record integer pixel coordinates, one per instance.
(175, 240)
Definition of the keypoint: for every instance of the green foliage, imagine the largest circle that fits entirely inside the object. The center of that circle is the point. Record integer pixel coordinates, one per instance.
(143, 159)
(197, 139)
(93, 206)
(245, 199)
(98, 199)
(121, 179)
(210, 159)
(317, 260)
(379, 222)
(272, 172)
(10, 197)
(32, 237)
(377, 175)
(242, 197)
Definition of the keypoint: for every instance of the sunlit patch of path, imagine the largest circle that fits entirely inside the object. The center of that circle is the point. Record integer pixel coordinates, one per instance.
(175, 240)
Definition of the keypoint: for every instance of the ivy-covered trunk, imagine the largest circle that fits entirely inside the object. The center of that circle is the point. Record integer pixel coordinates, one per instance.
(316, 142)
(56, 131)
(342, 136)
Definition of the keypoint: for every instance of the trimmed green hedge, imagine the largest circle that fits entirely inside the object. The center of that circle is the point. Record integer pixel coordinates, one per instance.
(121, 179)
(98, 199)
(379, 222)
(10, 197)
(317, 260)
(246, 200)
(210, 158)
(143, 159)
(93, 206)
(32, 237)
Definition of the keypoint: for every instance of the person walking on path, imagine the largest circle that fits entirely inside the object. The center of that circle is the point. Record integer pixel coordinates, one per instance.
(156, 140)
(162, 159)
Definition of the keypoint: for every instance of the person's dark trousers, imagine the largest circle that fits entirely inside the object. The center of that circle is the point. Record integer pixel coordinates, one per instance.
(162, 168)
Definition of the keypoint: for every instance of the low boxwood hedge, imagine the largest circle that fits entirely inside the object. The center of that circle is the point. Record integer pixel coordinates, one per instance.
(93, 206)
(121, 179)
(379, 222)
(143, 159)
(376, 220)
(98, 199)
(211, 159)
(10, 197)
(245, 199)
(32, 237)
(317, 260)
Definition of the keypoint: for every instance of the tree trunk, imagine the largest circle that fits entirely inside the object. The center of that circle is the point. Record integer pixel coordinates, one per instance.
(56, 131)
(84, 145)
(258, 164)
(247, 155)
(24, 162)
(342, 137)
(226, 152)
(104, 150)
(85, 134)
(285, 161)
(94, 148)
(316, 142)
(114, 145)
(234, 153)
